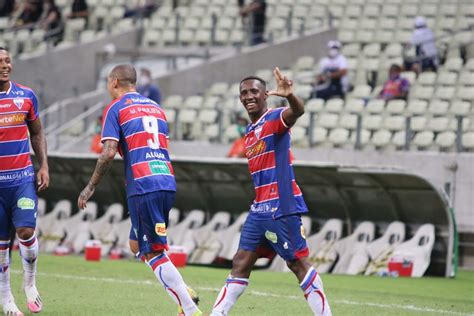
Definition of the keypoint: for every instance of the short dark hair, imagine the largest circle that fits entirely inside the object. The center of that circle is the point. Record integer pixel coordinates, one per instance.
(396, 67)
(125, 73)
(3, 48)
(254, 78)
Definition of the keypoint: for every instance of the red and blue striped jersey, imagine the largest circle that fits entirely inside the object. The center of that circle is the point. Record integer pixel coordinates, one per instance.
(268, 152)
(139, 125)
(18, 105)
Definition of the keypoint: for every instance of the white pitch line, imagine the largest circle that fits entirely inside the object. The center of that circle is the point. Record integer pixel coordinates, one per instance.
(256, 293)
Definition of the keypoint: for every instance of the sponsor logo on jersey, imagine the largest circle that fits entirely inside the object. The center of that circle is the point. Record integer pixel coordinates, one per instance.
(8, 119)
(19, 102)
(159, 167)
(26, 203)
(302, 232)
(160, 229)
(271, 236)
(285, 245)
(154, 155)
(261, 208)
(255, 150)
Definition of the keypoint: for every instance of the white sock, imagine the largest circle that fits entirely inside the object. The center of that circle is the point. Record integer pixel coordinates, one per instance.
(5, 291)
(29, 253)
(312, 287)
(173, 283)
(233, 288)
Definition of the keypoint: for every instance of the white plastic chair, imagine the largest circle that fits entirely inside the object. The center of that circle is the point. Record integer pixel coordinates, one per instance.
(183, 231)
(380, 250)
(417, 250)
(230, 237)
(349, 246)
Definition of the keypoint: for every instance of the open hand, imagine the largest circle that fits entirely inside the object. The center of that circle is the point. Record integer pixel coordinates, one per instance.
(284, 85)
(85, 196)
(43, 179)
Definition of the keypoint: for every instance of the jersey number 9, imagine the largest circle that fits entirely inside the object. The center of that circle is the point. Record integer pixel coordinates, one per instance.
(150, 125)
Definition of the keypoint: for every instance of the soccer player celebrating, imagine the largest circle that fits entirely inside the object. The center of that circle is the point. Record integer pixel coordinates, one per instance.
(274, 222)
(136, 127)
(18, 199)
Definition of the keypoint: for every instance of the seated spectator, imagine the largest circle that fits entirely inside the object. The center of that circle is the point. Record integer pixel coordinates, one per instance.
(332, 80)
(238, 146)
(395, 87)
(255, 10)
(79, 9)
(425, 46)
(6, 7)
(52, 22)
(29, 15)
(141, 9)
(146, 87)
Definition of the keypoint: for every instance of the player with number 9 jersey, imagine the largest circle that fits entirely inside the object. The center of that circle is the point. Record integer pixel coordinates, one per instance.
(136, 127)
(140, 127)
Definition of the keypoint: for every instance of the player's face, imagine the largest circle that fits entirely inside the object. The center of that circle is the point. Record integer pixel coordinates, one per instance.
(5, 66)
(253, 97)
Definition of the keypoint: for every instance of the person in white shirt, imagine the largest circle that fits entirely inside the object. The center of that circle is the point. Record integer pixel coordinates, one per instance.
(332, 80)
(424, 41)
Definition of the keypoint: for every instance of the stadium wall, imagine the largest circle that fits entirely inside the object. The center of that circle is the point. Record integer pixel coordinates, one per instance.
(64, 72)
(233, 67)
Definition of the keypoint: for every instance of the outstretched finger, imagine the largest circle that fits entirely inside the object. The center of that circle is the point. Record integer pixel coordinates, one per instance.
(272, 92)
(277, 73)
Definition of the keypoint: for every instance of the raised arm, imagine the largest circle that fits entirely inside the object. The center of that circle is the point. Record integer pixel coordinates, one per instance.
(103, 164)
(38, 142)
(284, 89)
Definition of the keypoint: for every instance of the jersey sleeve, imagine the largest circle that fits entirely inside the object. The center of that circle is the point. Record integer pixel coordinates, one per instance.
(110, 124)
(277, 124)
(33, 110)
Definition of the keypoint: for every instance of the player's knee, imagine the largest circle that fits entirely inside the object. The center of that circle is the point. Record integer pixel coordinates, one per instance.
(297, 266)
(240, 266)
(25, 233)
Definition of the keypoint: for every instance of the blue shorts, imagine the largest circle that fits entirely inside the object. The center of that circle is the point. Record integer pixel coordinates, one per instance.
(149, 215)
(18, 206)
(284, 236)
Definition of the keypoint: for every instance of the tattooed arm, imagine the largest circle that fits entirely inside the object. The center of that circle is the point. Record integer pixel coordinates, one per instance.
(103, 164)
(38, 142)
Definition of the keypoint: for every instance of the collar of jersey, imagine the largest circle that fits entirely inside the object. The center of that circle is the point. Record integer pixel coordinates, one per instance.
(261, 117)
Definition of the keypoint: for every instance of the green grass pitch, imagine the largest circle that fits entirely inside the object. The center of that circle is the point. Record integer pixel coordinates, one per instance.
(72, 286)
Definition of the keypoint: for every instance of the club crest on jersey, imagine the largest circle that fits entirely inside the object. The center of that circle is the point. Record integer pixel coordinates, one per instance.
(160, 229)
(258, 131)
(19, 102)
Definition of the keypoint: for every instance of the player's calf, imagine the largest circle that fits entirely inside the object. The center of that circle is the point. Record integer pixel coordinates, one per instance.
(172, 281)
(312, 286)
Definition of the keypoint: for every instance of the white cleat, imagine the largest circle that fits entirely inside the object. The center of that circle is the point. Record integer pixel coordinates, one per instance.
(10, 309)
(33, 299)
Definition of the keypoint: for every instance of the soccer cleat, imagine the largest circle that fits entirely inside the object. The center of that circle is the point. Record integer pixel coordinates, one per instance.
(33, 299)
(10, 309)
(195, 298)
